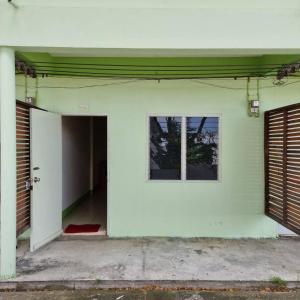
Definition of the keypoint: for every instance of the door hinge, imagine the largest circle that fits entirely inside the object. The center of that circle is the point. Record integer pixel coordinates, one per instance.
(28, 184)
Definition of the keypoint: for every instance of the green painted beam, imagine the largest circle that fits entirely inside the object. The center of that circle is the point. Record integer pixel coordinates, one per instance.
(158, 67)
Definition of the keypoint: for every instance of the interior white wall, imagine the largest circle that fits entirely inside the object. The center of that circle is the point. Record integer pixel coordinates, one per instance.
(75, 158)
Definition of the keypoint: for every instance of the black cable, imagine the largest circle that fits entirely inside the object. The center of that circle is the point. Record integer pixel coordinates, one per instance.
(146, 78)
(53, 68)
(150, 66)
(245, 73)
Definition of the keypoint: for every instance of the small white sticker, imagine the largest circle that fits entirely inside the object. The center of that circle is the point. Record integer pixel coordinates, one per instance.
(83, 107)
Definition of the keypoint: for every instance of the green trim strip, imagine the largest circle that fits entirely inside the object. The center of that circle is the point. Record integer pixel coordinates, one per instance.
(25, 235)
(69, 209)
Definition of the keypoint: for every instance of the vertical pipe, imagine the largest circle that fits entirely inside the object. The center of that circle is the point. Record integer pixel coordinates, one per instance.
(26, 86)
(91, 154)
(36, 90)
(8, 163)
(248, 98)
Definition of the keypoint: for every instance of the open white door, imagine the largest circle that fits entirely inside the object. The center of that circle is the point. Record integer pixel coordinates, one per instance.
(46, 169)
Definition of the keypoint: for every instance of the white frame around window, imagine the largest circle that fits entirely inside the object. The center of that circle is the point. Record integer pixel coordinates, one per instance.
(183, 146)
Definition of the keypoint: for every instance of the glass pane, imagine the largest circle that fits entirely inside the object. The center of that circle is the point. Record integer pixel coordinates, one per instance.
(202, 148)
(165, 147)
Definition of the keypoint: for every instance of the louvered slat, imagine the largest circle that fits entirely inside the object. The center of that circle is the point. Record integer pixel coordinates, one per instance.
(23, 166)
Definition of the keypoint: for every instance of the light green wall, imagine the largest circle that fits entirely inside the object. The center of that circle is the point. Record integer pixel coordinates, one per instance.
(232, 207)
(199, 26)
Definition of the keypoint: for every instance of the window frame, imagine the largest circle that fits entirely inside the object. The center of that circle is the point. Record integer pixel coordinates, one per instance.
(183, 147)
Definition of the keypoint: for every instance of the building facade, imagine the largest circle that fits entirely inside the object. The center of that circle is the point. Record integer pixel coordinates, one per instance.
(122, 55)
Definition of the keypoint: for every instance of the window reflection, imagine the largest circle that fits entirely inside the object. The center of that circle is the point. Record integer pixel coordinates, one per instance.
(165, 147)
(202, 148)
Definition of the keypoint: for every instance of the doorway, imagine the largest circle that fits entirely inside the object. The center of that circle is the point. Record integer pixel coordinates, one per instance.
(84, 175)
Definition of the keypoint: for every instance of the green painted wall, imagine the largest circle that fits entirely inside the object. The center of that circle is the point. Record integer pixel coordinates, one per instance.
(232, 207)
(198, 26)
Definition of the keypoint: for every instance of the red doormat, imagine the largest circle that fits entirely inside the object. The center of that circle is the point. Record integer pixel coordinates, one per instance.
(82, 228)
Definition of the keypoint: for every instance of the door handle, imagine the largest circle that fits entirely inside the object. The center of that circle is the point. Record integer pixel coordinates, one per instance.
(36, 179)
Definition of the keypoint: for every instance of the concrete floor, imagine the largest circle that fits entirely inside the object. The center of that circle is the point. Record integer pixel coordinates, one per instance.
(92, 210)
(162, 259)
(150, 295)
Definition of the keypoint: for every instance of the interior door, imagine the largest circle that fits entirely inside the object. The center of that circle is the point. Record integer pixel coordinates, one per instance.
(46, 170)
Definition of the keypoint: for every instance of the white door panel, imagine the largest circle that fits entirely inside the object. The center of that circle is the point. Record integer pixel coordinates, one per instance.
(46, 170)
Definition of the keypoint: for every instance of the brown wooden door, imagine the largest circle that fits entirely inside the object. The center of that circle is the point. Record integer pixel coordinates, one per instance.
(23, 166)
(282, 166)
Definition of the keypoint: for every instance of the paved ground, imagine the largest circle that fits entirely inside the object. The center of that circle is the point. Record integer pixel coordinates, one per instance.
(162, 259)
(149, 295)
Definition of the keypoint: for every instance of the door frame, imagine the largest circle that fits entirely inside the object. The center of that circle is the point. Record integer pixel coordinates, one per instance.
(107, 158)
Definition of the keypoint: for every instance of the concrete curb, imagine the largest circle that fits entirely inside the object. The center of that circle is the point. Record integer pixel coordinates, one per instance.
(139, 284)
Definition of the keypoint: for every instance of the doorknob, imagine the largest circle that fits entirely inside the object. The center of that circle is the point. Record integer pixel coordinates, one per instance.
(36, 179)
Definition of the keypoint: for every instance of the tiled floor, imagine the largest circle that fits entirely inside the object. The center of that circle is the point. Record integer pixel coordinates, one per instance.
(92, 210)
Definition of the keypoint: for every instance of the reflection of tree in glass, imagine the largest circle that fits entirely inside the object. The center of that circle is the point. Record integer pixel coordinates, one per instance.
(201, 144)
(165, 140)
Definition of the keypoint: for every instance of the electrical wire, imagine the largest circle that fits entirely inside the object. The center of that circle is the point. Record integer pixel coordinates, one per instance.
(163, 71)
(157, 69)
(140, 78)
(167, 70)
(153, 73)
(195, 79)
(77, 87)
(147, 71)
(242, 88)
(131, 81)
(152, 65)
(148, 77)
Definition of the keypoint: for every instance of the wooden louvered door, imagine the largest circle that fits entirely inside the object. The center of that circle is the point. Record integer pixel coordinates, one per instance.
(282, 166)
(23, 166)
